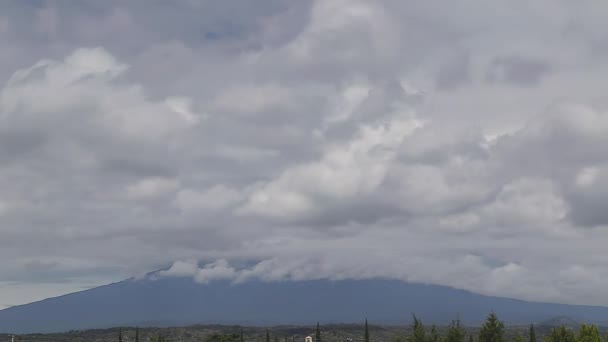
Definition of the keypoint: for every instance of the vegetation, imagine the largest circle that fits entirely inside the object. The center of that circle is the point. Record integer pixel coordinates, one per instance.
(419, 334)
(318, 334)
(492, 330)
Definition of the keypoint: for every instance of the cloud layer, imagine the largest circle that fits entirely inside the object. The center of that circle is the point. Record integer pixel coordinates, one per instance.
(461, 145)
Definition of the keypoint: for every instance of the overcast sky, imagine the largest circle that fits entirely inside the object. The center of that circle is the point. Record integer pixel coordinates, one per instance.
(460, 143)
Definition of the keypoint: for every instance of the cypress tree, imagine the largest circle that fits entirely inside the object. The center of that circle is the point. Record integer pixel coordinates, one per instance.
(136, 334)
(120, 335)
(276, 338)
(492, 330)
(470, 338)
(366, 332)
(241, 333)
(267, 335)
(318, 334)
(419, 333)
(532, 333)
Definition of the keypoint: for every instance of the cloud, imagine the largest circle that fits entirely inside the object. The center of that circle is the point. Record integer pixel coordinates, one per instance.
(303, 140)
(217, 270)
(518, 70)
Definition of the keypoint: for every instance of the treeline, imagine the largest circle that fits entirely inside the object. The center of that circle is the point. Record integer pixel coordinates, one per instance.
(492, 330)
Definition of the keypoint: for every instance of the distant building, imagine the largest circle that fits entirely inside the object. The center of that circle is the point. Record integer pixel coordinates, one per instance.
(308, 339)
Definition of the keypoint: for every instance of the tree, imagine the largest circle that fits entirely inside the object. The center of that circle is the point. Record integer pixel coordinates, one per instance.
(267, 335)
(120, 335)
(318, 334)
(136, 334)
(455, 332)
(471, 338)
(519, 338)
(434, 337)
(561, 334)
(492, 330)
(366, 336)
(589, 333)
(532, 333)
(419, 333)
(241, 335)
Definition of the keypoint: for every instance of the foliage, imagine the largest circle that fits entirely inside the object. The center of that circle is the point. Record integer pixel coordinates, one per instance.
(532, 333)
(366, 337)
(159, 338)
(455, 333)
(589, 333)
(318, 334)
(419, 334)
(434, 335)
(519, 338)
(561, 334)
(492, 330)
(224, 338)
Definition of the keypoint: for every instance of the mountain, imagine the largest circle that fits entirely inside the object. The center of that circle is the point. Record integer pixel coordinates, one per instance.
(181, 301)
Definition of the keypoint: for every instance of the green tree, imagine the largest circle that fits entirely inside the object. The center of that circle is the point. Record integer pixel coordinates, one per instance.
(366, 336)
(267, 335)
(589, 333)
(318, 334)
(241, 335)
(470, 338)
(434, 335)
(119, 334)
(455, 332)
(136, 334)
(532, 333)
(419, 335)
(492, 330)
(561, 334)
(519, 338)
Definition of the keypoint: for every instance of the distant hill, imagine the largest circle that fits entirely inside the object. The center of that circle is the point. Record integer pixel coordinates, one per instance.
(559, 321)
(181, 301)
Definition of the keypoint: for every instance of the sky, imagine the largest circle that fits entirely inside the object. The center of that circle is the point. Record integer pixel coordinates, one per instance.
(453, 143)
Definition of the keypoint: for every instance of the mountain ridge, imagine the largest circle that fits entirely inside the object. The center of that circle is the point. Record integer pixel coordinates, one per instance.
(181, 302)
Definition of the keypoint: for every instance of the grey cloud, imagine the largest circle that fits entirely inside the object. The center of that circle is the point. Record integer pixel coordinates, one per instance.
(297, 140)
(516, 70)
(455, 73)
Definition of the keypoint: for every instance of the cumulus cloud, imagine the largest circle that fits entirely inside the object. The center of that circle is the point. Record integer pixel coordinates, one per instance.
(312, 139)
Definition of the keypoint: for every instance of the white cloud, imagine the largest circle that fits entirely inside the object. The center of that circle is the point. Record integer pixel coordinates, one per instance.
(297, 139)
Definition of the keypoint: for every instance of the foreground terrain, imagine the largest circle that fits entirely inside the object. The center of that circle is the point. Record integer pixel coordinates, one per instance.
(330, 333)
